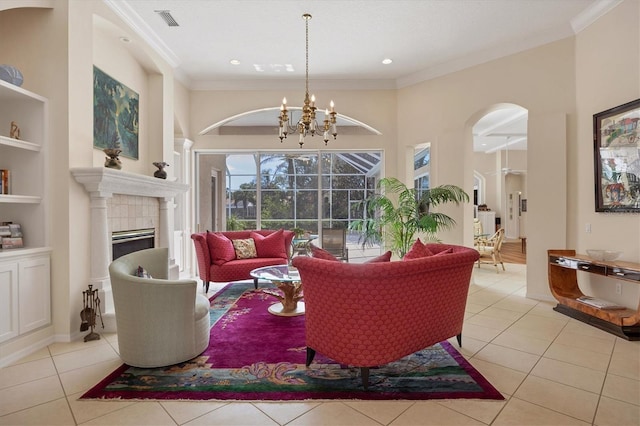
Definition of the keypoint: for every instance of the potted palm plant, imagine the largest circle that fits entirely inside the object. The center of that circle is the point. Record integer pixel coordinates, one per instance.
(400, 212)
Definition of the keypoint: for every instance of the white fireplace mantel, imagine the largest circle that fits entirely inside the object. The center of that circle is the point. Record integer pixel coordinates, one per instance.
(101, 183)
(110, 181)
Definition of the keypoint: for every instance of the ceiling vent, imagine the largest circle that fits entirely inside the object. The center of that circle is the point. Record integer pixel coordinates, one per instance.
(166, 16)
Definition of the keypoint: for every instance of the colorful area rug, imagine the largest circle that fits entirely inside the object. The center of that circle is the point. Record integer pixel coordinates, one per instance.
(256, 356)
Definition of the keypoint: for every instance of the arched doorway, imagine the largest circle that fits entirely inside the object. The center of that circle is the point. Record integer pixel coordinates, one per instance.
(500, 174)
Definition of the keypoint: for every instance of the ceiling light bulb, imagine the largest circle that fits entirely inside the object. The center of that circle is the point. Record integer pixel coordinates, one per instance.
(387, 61)
(234, 62)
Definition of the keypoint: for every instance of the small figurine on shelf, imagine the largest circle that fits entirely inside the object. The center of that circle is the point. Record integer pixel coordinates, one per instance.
(112, 161)
(160, 173)
(15, 131)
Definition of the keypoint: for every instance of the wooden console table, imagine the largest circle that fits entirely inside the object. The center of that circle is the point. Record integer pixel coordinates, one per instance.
(563, 282)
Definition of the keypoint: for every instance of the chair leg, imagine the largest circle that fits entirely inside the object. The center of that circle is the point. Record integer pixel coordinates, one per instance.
(364, 372)
(206, 287)
(500, 260)
(459, 337)
(311, 353)
(255, 283)
(495, 262)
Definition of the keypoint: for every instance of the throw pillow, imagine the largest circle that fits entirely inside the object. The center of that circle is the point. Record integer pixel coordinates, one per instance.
(271, 245)
(385, 257)
(417, 251)
(142, 273)
(319, 253)
(446, 251)
(245, 248)
(220, 248)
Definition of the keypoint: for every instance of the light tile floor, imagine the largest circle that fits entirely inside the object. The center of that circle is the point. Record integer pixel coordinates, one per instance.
(552, 370)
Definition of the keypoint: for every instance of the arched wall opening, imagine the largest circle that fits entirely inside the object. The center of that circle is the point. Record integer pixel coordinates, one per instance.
(499, 137)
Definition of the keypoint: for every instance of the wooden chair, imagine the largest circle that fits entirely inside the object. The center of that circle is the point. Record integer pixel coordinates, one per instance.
(335, 242)
(490, 247)
(477, 231)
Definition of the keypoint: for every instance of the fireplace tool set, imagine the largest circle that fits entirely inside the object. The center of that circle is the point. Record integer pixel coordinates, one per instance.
(89, 312)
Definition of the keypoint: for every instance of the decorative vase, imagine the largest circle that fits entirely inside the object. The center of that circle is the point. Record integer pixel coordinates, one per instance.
(11, 74)
(160, 173)
(112, 161)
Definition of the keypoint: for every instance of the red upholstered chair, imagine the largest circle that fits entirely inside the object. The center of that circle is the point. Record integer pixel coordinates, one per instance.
(366, 315)
(218, 263)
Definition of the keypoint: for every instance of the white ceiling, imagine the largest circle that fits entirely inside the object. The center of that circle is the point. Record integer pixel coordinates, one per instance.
(348, 39)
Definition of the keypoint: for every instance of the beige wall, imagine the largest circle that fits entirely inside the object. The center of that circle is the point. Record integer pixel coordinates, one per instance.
(34, 40)
(445, 109)
(607, 75)
(55, 49)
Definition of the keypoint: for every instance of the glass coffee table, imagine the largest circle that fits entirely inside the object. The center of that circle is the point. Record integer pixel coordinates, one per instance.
(287, 279)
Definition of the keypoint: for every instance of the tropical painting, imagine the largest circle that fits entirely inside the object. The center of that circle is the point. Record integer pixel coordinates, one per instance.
(115, 115)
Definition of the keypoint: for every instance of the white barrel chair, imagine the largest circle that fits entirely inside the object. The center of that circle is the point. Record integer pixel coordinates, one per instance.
(159, 321)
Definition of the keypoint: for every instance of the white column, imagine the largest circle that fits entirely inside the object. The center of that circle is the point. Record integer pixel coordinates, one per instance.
(101, 248)
(165, 239)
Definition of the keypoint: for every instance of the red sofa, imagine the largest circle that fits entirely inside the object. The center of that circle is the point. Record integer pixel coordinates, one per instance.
(217, 260)
(367, 315)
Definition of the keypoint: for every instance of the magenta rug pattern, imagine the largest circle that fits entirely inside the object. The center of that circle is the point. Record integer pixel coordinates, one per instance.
(256, 356)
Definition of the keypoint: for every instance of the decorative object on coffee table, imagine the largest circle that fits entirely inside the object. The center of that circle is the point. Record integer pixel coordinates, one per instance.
(11, 75)
(15, 131)
(112, 160)
(160, 173)
(288, 282)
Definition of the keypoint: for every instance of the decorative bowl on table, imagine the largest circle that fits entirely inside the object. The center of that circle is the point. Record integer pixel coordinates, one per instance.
(606, 255)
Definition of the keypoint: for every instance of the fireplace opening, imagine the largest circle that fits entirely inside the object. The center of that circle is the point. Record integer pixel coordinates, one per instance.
(125, 242)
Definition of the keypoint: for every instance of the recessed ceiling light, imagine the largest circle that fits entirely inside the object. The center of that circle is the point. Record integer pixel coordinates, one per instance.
(234, 62)
(125, 39)
(387, 61)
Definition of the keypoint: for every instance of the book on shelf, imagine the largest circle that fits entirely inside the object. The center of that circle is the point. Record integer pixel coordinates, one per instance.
(15, 230)
(9, 242)
(599, 303)
(5, 181)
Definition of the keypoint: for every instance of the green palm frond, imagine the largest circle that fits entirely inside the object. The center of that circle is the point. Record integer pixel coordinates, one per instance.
(398, 212)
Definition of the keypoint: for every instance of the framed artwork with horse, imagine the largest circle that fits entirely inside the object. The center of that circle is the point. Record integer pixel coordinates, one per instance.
(616, 143)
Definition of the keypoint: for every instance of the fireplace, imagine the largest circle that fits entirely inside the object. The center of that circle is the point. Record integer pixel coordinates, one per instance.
(125, 242)
(119, 201)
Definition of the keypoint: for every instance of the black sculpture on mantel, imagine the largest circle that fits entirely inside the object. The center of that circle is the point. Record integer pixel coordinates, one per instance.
(160, 173)
(89, 312)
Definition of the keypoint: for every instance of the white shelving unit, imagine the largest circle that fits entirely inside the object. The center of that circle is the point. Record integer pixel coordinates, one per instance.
(25, 277)
(27, 161)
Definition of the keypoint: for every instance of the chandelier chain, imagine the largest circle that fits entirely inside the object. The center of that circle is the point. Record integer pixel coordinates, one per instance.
(306, 49)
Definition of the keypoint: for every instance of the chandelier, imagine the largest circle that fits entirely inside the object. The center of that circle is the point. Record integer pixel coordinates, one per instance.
(307, 123)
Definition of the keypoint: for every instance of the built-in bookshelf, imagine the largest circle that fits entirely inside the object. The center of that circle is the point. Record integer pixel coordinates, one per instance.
(24, 164)
(25, 259)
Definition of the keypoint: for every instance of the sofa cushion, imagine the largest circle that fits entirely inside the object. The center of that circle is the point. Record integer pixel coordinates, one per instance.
(220, 248)
(385, 257)
(271, 245)
(417, 251)
(319, 253)
(245, 248)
